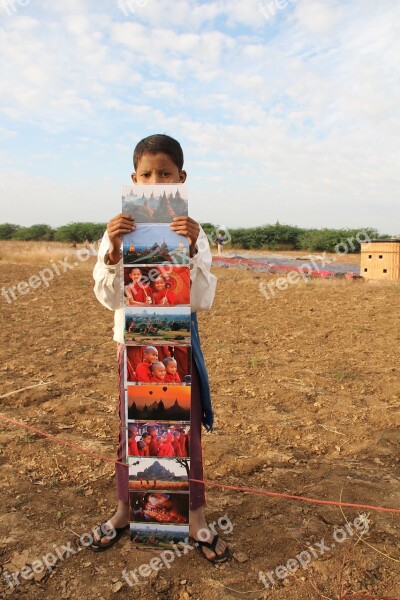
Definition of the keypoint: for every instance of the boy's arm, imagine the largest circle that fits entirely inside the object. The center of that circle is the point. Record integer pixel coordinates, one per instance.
(203, 282)
(107, 278)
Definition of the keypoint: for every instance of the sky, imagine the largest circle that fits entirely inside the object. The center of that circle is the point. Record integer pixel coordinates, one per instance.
(286, 109)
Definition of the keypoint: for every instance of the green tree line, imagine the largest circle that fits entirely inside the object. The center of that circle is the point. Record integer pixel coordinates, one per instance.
(266, 237)
(73, 232)
(289, 237)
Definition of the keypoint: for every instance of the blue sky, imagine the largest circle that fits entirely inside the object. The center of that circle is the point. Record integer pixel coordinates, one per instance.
(286, 110)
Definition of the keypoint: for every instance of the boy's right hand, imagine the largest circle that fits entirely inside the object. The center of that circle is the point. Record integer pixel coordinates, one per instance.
(116, 228)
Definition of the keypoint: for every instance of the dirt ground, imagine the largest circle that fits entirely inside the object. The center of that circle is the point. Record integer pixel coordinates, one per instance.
(306, 394)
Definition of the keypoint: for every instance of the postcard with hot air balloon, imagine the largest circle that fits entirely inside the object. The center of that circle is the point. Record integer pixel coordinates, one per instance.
(155, 203)
(158, 403)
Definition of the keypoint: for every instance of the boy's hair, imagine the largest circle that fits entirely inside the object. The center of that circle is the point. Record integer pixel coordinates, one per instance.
(168, 360)
(154, 365)
(150, 349)
(155, 144)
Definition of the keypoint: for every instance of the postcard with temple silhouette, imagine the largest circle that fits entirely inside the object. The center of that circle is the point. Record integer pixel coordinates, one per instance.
(159, 474)
(158, 403)
(155, 203)
(155, 245)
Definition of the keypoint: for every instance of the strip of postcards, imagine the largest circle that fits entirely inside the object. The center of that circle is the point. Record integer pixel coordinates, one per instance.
(157, 365)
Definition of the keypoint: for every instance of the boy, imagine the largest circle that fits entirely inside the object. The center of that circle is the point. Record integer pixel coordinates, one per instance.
(137, 293)
(146, 438)
(161, 295)
(159, 159)
(153, 447)
(176, 444)
(157, 372)
(171, 370)
(166, 448)
(143, 370)
(132, 443)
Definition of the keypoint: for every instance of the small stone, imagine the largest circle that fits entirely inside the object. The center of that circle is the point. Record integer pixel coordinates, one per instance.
(162, 585)
(183, 582)
(240, 557)
(116, 587)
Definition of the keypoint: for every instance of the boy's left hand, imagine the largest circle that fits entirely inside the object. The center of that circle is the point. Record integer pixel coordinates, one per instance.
(189, 227)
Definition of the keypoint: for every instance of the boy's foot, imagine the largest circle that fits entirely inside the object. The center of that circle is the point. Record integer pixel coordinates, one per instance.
(105, 541)
(212, 547)
(214, 556)
(116, 525)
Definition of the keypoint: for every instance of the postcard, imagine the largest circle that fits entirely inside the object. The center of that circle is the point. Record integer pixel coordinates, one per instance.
(157, 325)
(159, 507)
(158, 536)
(156, 286)
(155, 245)
(158, 403)
(172, 364)
(154, 439)
(155, 203)
(159, 474)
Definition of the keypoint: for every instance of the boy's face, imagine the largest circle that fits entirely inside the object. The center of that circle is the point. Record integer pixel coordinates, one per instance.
(159, 371)
(159, 284)
(135, 275)
(171, 367)
(157, 168)
(151, 356)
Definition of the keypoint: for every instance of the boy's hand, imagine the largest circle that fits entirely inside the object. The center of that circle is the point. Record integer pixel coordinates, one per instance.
(186, 226)
(116, 228)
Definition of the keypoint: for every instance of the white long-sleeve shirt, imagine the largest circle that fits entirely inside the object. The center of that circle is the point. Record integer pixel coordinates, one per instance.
(108, 280)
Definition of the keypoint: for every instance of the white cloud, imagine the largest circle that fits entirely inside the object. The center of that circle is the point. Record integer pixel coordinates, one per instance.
(299, 112)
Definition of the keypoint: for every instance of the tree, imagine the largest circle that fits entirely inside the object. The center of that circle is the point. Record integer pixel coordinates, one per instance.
(35, 232)
(7, 231)
(184, 463)
(79, 232)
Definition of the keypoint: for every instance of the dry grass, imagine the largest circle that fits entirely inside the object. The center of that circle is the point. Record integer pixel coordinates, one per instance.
(34, 253)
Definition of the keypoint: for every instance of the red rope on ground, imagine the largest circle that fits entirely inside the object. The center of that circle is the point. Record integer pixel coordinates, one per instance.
(52, 438)
(56, 440)
(299, 498)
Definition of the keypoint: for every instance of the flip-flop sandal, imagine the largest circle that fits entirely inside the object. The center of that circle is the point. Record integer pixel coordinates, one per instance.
(98, 546)
(218, 558)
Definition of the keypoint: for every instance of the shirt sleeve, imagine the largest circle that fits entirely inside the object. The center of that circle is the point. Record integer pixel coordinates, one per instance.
(203, 282)
(107, 278)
